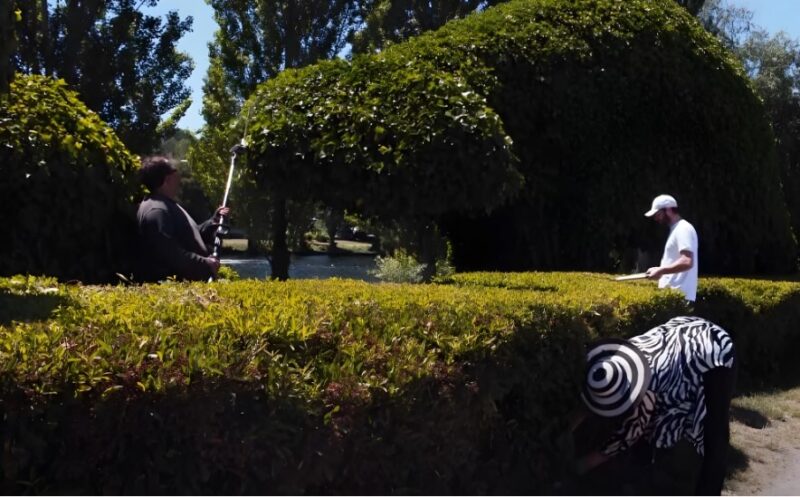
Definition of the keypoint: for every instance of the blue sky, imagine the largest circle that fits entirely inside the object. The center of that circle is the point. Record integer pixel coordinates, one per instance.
(773, 15)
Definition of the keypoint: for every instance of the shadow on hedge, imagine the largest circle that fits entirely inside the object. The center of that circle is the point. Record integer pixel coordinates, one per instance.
(484, 425)
(766, 340)
(27, 308)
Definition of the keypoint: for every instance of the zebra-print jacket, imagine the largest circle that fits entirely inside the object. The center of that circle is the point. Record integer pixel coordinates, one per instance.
(679, 352)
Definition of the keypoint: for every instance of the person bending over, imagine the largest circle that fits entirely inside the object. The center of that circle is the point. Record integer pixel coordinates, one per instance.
(673, 382)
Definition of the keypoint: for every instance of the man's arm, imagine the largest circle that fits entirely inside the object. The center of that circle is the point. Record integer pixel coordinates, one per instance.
(684, 263)
(208, 228)
(634, 427)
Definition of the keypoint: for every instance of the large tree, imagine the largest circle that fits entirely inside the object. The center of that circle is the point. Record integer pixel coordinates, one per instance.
(122, 62)
(256, 41)
(773, 64)
(731, 24)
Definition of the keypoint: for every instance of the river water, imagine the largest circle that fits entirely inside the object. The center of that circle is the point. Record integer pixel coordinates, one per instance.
(308, 267)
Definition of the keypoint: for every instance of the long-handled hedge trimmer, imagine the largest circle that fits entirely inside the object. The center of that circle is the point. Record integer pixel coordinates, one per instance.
(236, 150)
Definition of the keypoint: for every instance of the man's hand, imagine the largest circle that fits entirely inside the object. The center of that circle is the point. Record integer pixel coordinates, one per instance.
(213, 263)
(590, 461)
(654, 273)
(220, 212)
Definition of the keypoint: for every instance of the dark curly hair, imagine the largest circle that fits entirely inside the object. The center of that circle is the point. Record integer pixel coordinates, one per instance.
(154, 170)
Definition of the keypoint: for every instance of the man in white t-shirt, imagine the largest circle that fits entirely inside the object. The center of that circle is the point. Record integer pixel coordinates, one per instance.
(679, 263)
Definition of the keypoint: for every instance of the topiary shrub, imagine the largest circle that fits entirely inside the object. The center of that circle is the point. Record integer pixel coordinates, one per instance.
(65, 186)
(383, 136)
(607, 104)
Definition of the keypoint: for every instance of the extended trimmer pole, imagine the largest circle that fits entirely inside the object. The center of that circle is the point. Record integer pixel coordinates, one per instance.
(237, 149)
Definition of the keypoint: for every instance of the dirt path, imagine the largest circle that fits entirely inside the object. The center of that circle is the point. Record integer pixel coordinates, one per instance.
(788, 482)
(767, 451)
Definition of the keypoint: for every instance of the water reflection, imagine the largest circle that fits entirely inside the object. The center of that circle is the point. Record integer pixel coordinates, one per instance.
(308, 267)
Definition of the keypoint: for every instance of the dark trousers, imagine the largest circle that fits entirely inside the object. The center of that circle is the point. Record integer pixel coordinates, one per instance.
(718, 384)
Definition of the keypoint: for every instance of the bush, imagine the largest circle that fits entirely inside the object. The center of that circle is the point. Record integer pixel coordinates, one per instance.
(399, 268)
(326, 387)
(607, 104)
(761, 316)
(66, 186)
(228, 273)
(381, 136)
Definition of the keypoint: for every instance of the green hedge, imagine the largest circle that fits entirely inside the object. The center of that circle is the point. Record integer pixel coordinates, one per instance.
(607, 103)
(761, 315)
(326, 386)
(67, 185)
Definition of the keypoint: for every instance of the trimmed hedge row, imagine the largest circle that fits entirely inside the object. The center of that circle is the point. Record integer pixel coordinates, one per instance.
(323, 386)
(762, 316)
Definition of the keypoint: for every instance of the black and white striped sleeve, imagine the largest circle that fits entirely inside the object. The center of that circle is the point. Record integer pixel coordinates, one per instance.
(633, 427)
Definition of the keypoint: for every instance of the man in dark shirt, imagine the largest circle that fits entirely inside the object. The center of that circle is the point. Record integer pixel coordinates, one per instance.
(170, 242)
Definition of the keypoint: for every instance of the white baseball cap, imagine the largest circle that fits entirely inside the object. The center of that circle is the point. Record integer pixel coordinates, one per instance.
(661, 202)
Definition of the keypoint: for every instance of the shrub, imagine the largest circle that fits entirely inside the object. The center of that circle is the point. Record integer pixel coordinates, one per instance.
(332, 386)
(607, 104)
(381, 136)
(399, 268)
(228, 273)
(65, 186)
(761, 316)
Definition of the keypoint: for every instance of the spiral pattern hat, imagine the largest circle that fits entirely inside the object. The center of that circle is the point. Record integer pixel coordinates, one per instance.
(617, 376)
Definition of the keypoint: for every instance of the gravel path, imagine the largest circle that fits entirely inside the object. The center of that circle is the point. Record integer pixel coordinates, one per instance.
(787, 480)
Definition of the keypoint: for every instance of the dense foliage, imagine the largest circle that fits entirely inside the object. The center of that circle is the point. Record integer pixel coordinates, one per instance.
(608, 104)
(773, 64)
(328, 386)
(382, 135)
(66, 186)
(384, 22)
(122, 62)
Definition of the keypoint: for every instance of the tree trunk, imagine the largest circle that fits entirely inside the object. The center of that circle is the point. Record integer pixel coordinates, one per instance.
(47, 49)
(253, 247)
(427, 249)
(333, 218)
(280, 253)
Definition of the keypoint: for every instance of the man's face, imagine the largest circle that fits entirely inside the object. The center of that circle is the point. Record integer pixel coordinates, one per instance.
(172, 185)
(661, 217)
